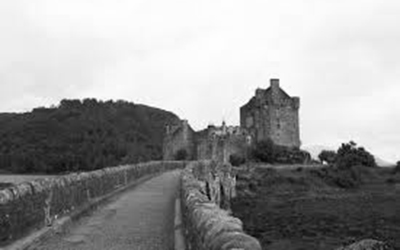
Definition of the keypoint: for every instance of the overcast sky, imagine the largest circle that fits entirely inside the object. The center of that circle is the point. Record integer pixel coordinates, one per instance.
(204, 59)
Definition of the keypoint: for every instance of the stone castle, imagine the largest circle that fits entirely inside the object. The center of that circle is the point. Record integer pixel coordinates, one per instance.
(273, 114)
(270, 114)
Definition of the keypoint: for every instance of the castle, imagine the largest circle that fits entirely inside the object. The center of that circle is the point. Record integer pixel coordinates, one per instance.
(273, 114)
(270, 114)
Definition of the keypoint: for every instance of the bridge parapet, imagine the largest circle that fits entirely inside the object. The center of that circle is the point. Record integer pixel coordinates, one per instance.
(206, 190)
(35, 205)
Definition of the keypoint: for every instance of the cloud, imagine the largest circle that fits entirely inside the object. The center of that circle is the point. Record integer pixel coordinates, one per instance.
(204, 59)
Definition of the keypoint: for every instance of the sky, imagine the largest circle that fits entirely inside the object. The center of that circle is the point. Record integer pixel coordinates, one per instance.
(204, 59)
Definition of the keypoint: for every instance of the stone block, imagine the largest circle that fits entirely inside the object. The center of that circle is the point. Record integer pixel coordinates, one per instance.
(207, 225)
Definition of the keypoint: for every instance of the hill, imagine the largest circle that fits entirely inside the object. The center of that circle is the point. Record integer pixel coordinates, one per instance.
(81, 135)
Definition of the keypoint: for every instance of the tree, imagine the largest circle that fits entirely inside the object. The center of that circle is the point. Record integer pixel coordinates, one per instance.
(81, 136)
(397, 168)
(328, 156)
(349, 155)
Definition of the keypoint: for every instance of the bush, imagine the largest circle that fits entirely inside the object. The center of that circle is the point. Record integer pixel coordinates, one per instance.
(236, 160)
(328, 156)
(267, 151)
(397, 168)
(343, 178)
(349, 155)
(181, 155)
(292, 156)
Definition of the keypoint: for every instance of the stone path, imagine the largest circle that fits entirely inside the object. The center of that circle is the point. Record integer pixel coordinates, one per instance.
(141, 218)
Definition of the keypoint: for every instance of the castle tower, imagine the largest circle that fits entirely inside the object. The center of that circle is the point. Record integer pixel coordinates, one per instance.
(272, 114)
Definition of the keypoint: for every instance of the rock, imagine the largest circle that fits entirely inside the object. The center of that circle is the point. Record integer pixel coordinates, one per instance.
(208, 226)
(368, 245)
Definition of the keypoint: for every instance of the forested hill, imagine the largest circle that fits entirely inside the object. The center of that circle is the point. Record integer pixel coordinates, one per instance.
(81, 135)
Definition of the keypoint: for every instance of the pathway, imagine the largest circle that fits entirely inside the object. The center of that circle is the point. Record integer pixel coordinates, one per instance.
(141, 218)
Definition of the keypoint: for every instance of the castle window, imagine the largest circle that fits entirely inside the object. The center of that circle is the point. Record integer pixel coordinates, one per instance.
(278, 124)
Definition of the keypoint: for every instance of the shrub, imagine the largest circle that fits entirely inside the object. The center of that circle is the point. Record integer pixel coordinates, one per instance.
(292, 156)
(328, 156)
(349, 155)
(236, 160)
(181, 155)
(343, 178)
(267, 151)
(397, 168)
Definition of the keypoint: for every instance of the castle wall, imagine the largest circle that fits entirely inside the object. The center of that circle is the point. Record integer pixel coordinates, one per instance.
(263, 124)
(255, 120)
(284, 121)
(235, 145)
(204, 148)
(213, 146)
(179, 137)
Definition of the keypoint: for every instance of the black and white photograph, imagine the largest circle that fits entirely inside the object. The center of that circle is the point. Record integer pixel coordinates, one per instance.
(200, 125)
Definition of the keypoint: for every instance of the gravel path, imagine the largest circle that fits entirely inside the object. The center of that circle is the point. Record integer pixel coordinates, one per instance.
(141, 218)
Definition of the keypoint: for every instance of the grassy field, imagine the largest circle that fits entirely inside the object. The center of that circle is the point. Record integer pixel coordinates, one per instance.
(306, 208)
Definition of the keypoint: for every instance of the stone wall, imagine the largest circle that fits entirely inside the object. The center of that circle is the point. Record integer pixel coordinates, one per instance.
(179, 137)
(33, 205)
(284, 121)
(219, 143)
(204, 146)
(206, 187)
(211, 148)
(272, 114)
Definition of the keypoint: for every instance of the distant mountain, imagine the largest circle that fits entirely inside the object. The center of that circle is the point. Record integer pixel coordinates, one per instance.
(315, 150)
(383, 163)
(81, 135)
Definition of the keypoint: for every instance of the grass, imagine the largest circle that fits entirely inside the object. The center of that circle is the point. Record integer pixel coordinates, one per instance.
(308, 208)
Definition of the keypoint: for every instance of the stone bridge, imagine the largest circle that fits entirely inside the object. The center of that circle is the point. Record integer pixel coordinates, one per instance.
(155, 205)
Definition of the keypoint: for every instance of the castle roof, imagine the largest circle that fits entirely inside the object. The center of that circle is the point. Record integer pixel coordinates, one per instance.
(266, 95)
